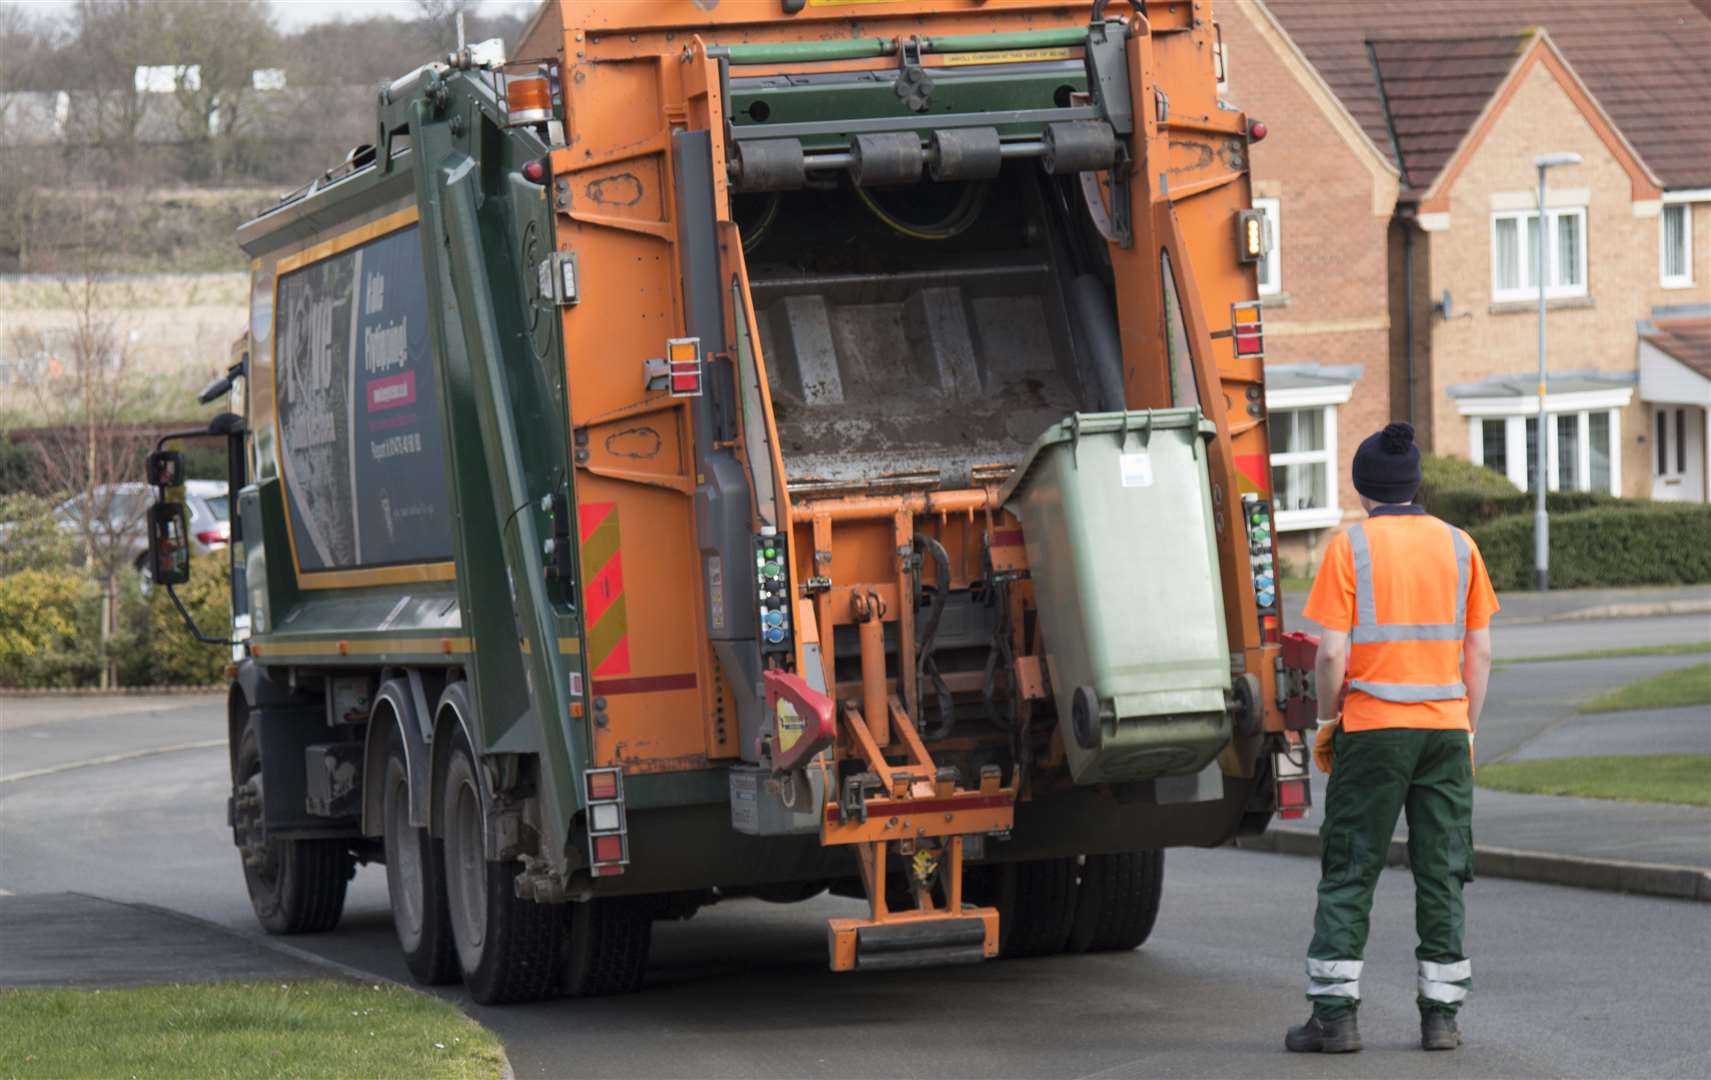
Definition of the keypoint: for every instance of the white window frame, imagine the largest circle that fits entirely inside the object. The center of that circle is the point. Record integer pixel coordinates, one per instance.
(1529, 258)
(1665, 278)
(1271, 283)
(1325, 399)
(1514, 413)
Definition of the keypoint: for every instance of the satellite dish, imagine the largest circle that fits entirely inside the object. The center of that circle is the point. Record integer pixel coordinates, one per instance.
(1444, 306)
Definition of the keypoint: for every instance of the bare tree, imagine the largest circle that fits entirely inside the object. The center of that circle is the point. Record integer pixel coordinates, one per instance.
(111, 39)
(85, 398)
(216, 49)
(437, 22)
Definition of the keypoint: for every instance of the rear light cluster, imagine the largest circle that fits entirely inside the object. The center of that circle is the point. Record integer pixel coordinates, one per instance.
(683, 359)
(1247, 327)
(1289, 769)
(608, 834)
(1256, 512)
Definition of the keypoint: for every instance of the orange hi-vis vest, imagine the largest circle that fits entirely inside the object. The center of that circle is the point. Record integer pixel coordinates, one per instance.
(1411, 586)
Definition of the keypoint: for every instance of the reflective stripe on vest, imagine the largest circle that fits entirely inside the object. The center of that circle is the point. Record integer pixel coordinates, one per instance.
(1369, 631)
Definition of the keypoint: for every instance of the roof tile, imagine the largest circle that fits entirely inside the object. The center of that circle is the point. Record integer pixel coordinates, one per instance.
(1647, 63)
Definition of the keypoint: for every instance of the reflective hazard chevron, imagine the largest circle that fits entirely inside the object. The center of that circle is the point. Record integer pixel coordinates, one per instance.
(608, 642)
(1253, 475)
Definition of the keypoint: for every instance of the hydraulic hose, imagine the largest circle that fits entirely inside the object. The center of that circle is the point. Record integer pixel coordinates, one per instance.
(964, 214)
(926, 667)
(751, 237)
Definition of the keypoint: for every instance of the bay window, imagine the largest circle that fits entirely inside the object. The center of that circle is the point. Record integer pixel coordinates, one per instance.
(1581, 447)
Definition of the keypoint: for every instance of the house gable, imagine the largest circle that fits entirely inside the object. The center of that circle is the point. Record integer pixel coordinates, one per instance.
(1540, 53)
(1385, 176)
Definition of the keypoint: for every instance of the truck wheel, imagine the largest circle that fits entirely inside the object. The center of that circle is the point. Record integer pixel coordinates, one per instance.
(1117, 901)
(415, 877)
(606, 951)
(506, 947)
(295, 886)
(1036, 906)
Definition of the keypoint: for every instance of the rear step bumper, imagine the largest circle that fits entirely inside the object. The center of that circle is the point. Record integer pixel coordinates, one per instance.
(909, 940)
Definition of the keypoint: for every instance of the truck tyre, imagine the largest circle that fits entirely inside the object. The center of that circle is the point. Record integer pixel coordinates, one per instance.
(1117, 901)
(415, 877)
(506, 947)
(1036, 906)
(295, 886)
(606, 951)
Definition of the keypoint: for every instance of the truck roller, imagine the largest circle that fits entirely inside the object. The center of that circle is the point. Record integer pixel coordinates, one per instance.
(749, 450)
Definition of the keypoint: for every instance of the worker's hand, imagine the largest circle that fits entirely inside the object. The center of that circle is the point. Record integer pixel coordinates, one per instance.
(1322, 750)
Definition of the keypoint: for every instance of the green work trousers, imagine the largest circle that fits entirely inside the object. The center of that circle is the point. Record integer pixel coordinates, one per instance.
(1375, 776)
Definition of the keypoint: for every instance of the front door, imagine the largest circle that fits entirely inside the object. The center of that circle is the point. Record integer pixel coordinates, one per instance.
(1678, 453)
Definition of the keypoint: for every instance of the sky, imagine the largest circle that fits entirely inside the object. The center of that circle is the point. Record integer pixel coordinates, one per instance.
(296, 14)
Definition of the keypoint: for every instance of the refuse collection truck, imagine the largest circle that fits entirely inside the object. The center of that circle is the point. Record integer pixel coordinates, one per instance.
(758, 449)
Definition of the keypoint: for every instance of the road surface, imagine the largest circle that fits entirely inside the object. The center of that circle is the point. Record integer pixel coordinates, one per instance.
(1567, 983)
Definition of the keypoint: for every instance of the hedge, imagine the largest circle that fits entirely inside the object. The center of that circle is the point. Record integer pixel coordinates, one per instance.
(155, 648)
(49, 629)
(1470, 495)
(1626, 543)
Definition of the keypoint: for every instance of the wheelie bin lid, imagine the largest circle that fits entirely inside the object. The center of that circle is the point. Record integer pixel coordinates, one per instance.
(1140, 423)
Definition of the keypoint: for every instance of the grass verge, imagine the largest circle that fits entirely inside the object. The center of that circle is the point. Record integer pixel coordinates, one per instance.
(1684, 649)
(1690, 685)
(299, 1029)
(1663, 778)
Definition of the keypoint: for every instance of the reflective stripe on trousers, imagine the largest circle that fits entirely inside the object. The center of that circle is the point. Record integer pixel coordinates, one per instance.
(1368, 630)
(1334, 978)
(1446, 984)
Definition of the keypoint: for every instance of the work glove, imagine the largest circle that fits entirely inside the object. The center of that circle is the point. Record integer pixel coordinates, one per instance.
(1322, 749)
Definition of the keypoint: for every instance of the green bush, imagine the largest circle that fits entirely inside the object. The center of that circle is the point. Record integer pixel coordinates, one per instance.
(155, 648)
(30, 536)
(1623, 543)
(18, 465)
(49, 629)
(1469, 495)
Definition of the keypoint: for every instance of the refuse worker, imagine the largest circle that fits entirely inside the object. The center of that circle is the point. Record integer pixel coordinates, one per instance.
(1406, 608)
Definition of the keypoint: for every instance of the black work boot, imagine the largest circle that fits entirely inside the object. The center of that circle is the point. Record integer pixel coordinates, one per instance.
(1317, 1036)
(1438, 1030)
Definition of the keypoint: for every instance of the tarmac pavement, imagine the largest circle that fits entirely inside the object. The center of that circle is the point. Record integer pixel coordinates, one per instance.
(1620, 734)
(70, 939)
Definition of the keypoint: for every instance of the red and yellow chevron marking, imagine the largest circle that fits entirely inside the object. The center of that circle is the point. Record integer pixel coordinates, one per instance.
(603, 590)
(1253, 474)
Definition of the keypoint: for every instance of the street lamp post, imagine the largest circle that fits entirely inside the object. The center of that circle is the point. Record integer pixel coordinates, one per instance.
(1541, 518)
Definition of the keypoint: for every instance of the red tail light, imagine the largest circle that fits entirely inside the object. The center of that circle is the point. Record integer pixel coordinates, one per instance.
(608, 849)
(212, 537)
(1293, 798)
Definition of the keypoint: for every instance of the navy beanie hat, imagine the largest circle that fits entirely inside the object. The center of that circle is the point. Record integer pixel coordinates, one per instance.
(1387, 465)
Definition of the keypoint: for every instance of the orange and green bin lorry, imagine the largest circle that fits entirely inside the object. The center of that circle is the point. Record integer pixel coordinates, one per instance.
(759, 448)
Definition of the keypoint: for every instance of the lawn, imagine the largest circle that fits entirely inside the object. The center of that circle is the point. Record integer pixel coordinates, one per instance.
(299, 1029)
(1690, 685)
(1664, 778)
(1615, 653)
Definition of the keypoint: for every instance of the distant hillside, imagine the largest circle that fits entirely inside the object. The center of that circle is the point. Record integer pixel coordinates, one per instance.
(183, 230)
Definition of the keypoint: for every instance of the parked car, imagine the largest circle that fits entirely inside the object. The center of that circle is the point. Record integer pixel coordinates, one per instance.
(209, 506)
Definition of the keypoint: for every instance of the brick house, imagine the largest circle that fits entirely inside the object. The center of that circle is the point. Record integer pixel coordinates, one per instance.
(1328, 191)
(1461, 97)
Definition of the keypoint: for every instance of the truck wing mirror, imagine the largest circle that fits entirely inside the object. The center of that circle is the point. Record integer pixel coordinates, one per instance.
(166, 469)
(169, 547)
